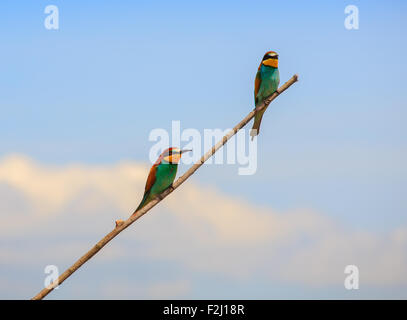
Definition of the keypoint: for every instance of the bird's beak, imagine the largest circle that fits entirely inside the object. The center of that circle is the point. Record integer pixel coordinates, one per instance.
(185, 150)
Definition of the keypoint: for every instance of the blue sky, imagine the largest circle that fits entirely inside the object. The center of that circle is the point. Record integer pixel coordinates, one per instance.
(90, 93)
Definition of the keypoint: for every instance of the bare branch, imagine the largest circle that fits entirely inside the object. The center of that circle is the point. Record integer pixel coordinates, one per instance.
(137, 214)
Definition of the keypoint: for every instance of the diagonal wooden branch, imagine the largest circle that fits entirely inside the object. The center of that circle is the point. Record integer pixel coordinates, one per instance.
(137, 214)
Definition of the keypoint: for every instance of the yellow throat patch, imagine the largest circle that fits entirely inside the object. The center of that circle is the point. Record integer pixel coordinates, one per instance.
(271, 63)
(174, 158)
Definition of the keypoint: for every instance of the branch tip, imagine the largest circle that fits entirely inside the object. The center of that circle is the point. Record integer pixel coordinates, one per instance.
(119, 222)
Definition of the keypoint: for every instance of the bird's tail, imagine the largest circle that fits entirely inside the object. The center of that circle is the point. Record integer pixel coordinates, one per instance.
(256, 124)
(143, 202)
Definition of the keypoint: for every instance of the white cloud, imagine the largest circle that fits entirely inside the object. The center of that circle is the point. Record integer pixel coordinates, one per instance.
(62, 211)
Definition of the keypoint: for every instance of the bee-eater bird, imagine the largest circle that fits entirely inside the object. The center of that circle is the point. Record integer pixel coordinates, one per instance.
(162, 174)
(265, 84)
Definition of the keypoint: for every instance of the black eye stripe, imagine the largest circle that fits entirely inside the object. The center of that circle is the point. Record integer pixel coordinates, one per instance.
(266, 57)
(171, 152)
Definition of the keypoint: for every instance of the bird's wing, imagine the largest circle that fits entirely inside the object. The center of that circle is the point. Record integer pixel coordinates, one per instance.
(149, 184)
(257, 83)
(151, 179)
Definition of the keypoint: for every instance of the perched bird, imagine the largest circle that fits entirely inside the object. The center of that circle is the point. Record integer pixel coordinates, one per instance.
(265, 84)
(162, 174)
